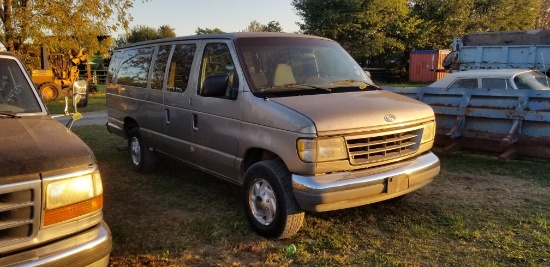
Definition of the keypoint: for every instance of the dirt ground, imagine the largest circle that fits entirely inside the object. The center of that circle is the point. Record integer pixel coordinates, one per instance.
(152, 229)
(456, 188)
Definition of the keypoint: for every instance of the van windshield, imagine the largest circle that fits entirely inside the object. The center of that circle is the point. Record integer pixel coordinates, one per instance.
(16, 94)
(279, 65)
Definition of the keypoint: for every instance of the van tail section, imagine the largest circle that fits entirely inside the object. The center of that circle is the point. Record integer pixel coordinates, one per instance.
(501, 50)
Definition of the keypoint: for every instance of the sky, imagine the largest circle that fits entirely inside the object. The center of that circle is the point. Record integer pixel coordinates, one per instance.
(185, 16)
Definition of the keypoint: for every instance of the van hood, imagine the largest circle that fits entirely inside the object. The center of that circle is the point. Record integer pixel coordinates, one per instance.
(356, 111)
(38, 144)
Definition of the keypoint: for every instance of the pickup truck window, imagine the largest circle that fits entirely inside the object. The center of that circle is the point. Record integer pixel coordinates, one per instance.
(16, 94)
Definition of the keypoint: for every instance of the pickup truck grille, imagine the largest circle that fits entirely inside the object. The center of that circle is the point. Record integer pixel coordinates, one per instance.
(370, 148)
(19, 207)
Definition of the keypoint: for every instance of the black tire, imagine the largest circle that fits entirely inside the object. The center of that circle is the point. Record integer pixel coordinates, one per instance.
(141, 158)
(49, 91)
(264, 182)
(448, 61)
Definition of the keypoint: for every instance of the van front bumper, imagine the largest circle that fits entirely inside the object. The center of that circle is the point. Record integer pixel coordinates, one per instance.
(350, 189)
(89, 248)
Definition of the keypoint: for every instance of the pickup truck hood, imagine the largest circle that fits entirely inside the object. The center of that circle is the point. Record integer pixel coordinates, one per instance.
(356, 111)
(37, 144)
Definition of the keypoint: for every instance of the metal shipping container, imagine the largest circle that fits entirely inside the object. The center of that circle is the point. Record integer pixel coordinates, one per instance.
(426, 65)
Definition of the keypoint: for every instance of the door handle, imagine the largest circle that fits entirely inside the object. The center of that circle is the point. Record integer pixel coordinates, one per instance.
(195, 122)
(167, 115)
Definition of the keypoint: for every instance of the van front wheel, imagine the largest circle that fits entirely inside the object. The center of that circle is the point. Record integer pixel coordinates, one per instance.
(270, 206)
(141, 158)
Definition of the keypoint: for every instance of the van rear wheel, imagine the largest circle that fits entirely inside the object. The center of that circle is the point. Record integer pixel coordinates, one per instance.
(141, 158)
(270, 206)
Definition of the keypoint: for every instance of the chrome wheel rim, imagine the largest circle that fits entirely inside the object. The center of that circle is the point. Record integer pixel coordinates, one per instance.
(262, 201)
(135, 151)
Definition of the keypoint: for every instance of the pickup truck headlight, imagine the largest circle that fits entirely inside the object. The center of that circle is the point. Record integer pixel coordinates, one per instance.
(321, 149)
(72, 197)
(428, 134)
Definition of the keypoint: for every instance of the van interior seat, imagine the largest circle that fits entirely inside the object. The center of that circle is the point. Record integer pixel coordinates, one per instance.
(283, 75)
(259, 79)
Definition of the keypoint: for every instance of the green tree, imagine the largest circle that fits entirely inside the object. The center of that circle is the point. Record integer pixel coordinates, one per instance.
(450, 18)
(62, 25)
(254, 26)
(165, 31)
(366, 28)
(143, 33)
(543, 19)
(208, 31)
(272, 26)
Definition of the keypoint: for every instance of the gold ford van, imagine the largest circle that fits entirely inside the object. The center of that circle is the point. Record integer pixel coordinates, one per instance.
(51, 194)
(292, 118)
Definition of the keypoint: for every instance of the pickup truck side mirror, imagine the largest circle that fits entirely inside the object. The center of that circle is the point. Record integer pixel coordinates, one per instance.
(80, 94)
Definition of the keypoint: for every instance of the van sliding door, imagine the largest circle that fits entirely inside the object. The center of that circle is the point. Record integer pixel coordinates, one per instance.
(177, 83)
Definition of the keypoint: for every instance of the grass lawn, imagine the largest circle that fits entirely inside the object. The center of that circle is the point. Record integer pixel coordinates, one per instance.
(478, 212)
(96, 102)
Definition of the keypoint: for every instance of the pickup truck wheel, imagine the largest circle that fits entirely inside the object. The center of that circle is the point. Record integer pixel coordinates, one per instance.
(141, 158)
(49, 91)
(270, 206)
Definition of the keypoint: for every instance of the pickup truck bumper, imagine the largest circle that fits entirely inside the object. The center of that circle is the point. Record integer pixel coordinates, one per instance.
(89, 248)
(350, 189)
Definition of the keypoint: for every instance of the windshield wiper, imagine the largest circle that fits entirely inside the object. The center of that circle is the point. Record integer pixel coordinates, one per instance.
(296, 86)
(347, 81)
(8, 114)
(363, 85)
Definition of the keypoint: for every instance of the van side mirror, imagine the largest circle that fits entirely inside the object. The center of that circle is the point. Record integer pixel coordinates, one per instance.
(80, 94)
(215, 85)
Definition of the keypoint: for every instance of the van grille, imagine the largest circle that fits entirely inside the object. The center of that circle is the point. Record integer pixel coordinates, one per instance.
(18, 212)
(369, 148)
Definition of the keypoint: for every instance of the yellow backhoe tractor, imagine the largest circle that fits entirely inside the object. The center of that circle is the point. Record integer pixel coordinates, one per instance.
(57, 81)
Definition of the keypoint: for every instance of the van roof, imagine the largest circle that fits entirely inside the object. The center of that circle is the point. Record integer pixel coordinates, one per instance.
(7, 54)
(232, 36)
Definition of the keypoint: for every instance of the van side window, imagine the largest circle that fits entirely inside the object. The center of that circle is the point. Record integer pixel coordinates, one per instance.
(157, 81)
(113, 66)
(180, 67)
(217, 60)
(135, 65)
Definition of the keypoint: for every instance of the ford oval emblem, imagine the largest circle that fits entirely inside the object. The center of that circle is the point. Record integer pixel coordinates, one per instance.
(389, 118)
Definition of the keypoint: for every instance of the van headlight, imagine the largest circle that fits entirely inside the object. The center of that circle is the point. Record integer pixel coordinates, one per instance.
(428, 134)
(321, 149)
(72, 197)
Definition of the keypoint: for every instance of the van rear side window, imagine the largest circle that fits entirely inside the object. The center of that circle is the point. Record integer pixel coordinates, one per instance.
(157, 81)
(113, 66)
(180, 67)
(134, 68)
